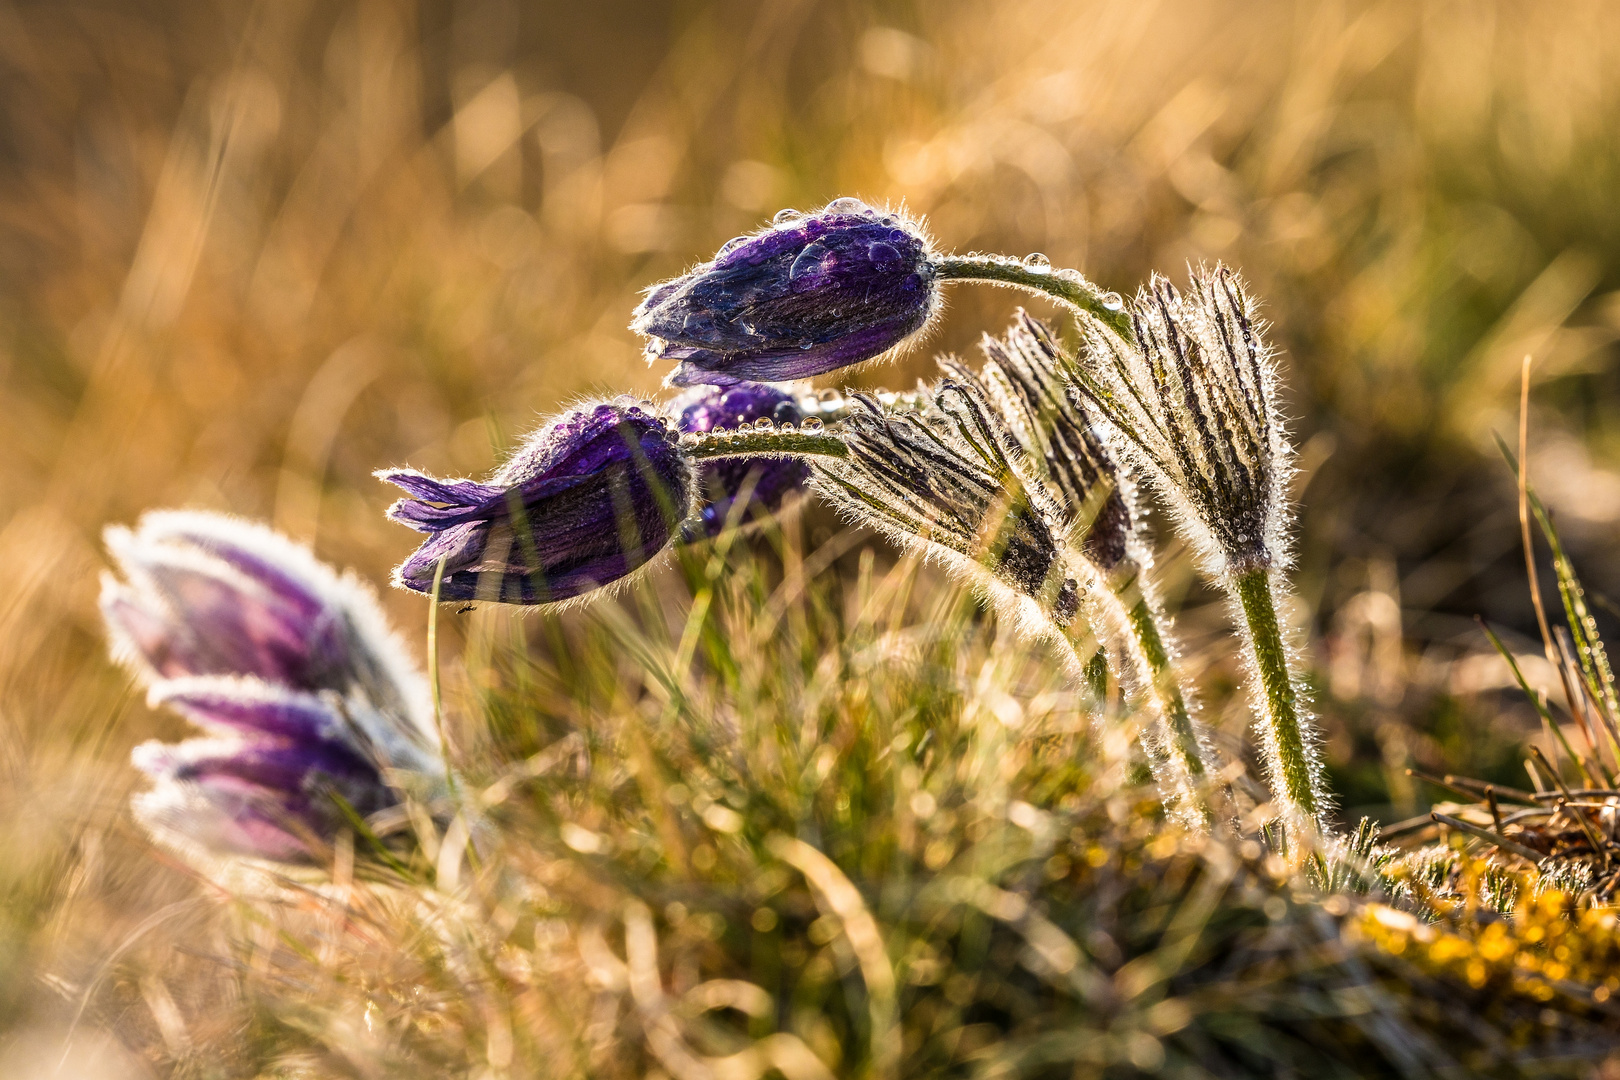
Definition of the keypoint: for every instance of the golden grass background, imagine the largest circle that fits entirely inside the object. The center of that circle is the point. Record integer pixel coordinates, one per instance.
(250, 252)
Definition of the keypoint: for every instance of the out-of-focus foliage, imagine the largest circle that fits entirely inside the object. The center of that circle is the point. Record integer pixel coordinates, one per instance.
(249, 253)
(780, 821)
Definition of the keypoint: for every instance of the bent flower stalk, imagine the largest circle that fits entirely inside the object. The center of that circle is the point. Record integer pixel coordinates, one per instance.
(1024, 374)
(953, 483)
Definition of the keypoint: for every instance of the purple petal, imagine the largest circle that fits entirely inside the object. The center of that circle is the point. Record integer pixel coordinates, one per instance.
(255, 796)
(453, 492)
(249, 705)
(202, 601)
(698, 366)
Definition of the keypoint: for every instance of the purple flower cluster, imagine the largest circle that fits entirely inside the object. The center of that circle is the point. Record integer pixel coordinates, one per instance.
(306, 694)
(603, 489)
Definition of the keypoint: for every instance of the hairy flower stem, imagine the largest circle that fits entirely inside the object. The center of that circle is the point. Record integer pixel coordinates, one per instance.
(1125, 620)
(1067, 286)
(1178, 744)
(1293, 777)
(753, 442)
(1145, 628)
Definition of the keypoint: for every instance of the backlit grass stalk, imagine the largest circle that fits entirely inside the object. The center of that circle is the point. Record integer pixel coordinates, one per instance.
(1190, 398)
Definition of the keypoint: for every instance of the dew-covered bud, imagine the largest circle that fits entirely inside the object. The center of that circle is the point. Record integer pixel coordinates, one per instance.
(811, 294)
(766, 481)
(587, 499)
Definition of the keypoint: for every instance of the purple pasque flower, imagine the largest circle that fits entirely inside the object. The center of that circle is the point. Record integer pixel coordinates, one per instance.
(292, 668)
(263, 797)
(766, 481)
(809, 295)
(267, 782)
(590, 497)
(210, 594)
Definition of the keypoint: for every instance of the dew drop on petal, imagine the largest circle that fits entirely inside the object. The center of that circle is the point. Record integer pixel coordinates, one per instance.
(808, 262)
(731, 245)
(847, 205)
(883, 256)
(784, 216)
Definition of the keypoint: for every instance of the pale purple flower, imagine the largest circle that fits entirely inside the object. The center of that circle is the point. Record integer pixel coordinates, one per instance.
(766, 481)
(809, 295)
(262, 797)
(290, 665)
(587, 499)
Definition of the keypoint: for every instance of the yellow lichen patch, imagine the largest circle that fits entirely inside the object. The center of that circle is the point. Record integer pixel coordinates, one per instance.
(1547, 946)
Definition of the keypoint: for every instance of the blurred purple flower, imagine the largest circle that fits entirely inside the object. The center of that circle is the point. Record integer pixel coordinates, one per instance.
(768, 481)
(292, 666)
(264, 797)
(588, 499)
(809, 295)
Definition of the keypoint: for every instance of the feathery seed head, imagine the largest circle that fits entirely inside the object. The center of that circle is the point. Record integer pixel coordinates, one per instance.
(767, 481)
(808, 295)
(588, 499)
(1194, 402)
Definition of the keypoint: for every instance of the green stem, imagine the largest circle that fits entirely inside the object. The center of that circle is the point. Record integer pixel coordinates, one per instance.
(433, 675)
(1067, 286)
(751, 442)
(1146, 630)
(1292, 770)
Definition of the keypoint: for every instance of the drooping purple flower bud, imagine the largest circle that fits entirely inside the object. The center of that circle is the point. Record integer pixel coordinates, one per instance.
(211, 595)
(767, 482)
(587, 499)
(809, 295)
(291, 665)
(266, 797)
